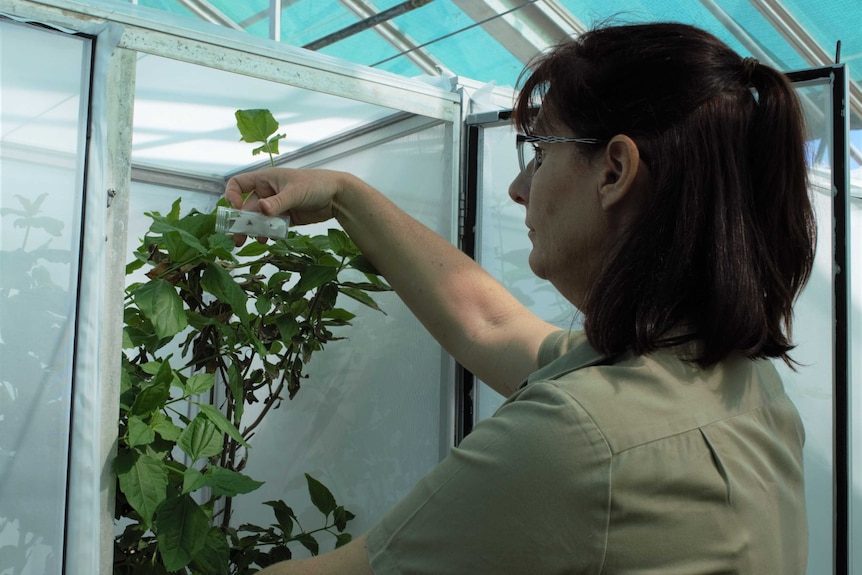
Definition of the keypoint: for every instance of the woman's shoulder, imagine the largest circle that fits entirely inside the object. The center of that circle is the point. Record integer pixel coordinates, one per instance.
(636, 399)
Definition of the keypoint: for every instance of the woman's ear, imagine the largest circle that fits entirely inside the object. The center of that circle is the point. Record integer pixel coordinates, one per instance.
(623, 173)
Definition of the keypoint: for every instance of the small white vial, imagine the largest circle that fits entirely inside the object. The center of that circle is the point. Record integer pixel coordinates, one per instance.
(255, 224)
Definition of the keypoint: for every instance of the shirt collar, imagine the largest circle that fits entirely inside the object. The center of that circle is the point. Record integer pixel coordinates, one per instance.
(577, 354)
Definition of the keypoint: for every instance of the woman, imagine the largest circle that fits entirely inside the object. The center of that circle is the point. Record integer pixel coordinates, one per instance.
(665, 197)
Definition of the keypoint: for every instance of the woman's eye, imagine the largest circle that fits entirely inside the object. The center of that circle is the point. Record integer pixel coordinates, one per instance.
(538, 156)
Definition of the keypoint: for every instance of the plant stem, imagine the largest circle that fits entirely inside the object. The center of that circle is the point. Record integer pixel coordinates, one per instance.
(268, 403)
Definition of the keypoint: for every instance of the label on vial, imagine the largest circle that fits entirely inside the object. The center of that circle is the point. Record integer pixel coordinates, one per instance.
(234, 221)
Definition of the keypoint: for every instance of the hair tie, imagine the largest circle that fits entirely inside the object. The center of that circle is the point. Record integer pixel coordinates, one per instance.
(749, 65)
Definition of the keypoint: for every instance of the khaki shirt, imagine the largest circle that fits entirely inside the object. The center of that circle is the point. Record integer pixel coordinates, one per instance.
(633, 464)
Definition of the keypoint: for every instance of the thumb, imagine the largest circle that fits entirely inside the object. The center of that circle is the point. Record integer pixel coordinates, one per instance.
(273, 205)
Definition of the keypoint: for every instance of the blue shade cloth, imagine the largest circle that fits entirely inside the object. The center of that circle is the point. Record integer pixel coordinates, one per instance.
(832, 21)
(469, 51)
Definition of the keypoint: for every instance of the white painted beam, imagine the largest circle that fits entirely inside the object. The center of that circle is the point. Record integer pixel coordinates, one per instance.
(524, 28)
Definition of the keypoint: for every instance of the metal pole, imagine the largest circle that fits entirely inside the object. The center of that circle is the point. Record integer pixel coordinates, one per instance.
(369, 22)
(275, 20)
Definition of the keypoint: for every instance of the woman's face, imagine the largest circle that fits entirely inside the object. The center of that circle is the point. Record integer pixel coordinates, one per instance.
(566, 223)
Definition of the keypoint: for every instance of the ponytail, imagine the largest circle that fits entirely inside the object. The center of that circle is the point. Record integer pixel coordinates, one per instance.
(781, 203)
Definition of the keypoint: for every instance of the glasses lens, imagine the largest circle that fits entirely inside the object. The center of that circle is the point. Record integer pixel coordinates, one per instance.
(525, 156)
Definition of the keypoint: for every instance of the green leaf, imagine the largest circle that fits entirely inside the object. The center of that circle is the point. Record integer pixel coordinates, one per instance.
(201, 438)
(360, 296)
(221, 245)
(343, 539)
(341, 243)
(253, 340)
(314, 277)
(127, 340)
(200, 383)
(283, 514)
(339, 315)
(287, 327)
(309, 542)
(174, 214)
(163, 425)
(262, 304)
(139, 432)
(151, 367)
(369, 286)
(160, 303)
(156, 394)
(321, 497)
(229, 483)
(253, 249)
(272, 144)
(277, 279)
(185, 241)
(144, 481)
(222, 423)
(255, 125)
(340, 517)
(275, 555)
(192, 480)
(181, 531)
(199, 322)
(214, 557)
(222, 285)
(178, 248)
(143, 336)
(326, 295)
(270, 147)
(362, 264)
(236, 385)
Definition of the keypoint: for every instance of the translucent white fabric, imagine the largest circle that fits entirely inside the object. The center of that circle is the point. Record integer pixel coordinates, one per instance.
(374, 415)
(502, 246)
(371, 420)
(855, 406)
(44, 90)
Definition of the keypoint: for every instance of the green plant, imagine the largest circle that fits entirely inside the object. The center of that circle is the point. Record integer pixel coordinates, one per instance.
(244, 325)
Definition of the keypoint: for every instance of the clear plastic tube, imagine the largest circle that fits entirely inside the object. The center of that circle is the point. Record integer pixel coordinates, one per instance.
(255, 224)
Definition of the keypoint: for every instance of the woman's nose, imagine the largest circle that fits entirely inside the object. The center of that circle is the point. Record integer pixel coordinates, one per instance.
(519, 189)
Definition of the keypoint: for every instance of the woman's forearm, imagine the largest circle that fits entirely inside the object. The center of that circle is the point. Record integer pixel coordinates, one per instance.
(471, 314)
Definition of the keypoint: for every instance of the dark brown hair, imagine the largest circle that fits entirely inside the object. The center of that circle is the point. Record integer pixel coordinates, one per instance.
(724, 240)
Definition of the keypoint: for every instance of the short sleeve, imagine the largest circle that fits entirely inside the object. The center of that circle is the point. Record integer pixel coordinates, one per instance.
(558, 344)
(527, 491)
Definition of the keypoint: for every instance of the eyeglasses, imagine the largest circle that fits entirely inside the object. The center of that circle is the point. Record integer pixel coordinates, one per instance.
(530, 162)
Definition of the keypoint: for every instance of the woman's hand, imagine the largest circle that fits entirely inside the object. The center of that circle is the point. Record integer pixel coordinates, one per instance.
(307, 196)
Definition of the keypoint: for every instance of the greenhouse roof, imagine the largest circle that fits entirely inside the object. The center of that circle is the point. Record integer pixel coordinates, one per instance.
(491, 40)
(485, 42)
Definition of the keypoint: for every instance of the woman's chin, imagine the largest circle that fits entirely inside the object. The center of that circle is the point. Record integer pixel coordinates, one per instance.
(536, 265)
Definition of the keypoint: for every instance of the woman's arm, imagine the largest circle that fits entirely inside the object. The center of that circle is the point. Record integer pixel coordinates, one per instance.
(352, 559)
(462, 306)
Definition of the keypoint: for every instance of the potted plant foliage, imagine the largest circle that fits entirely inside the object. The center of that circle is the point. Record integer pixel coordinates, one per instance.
(210, 332)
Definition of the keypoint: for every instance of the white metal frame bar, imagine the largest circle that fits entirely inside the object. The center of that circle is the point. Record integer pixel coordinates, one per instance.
(209, 13)
(275, 7)
(531, 28)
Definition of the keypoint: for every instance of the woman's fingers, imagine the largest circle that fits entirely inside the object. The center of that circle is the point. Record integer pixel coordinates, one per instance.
(305, 195)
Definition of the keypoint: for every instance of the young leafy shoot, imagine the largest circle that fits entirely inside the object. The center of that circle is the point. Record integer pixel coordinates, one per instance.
(256, 126)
